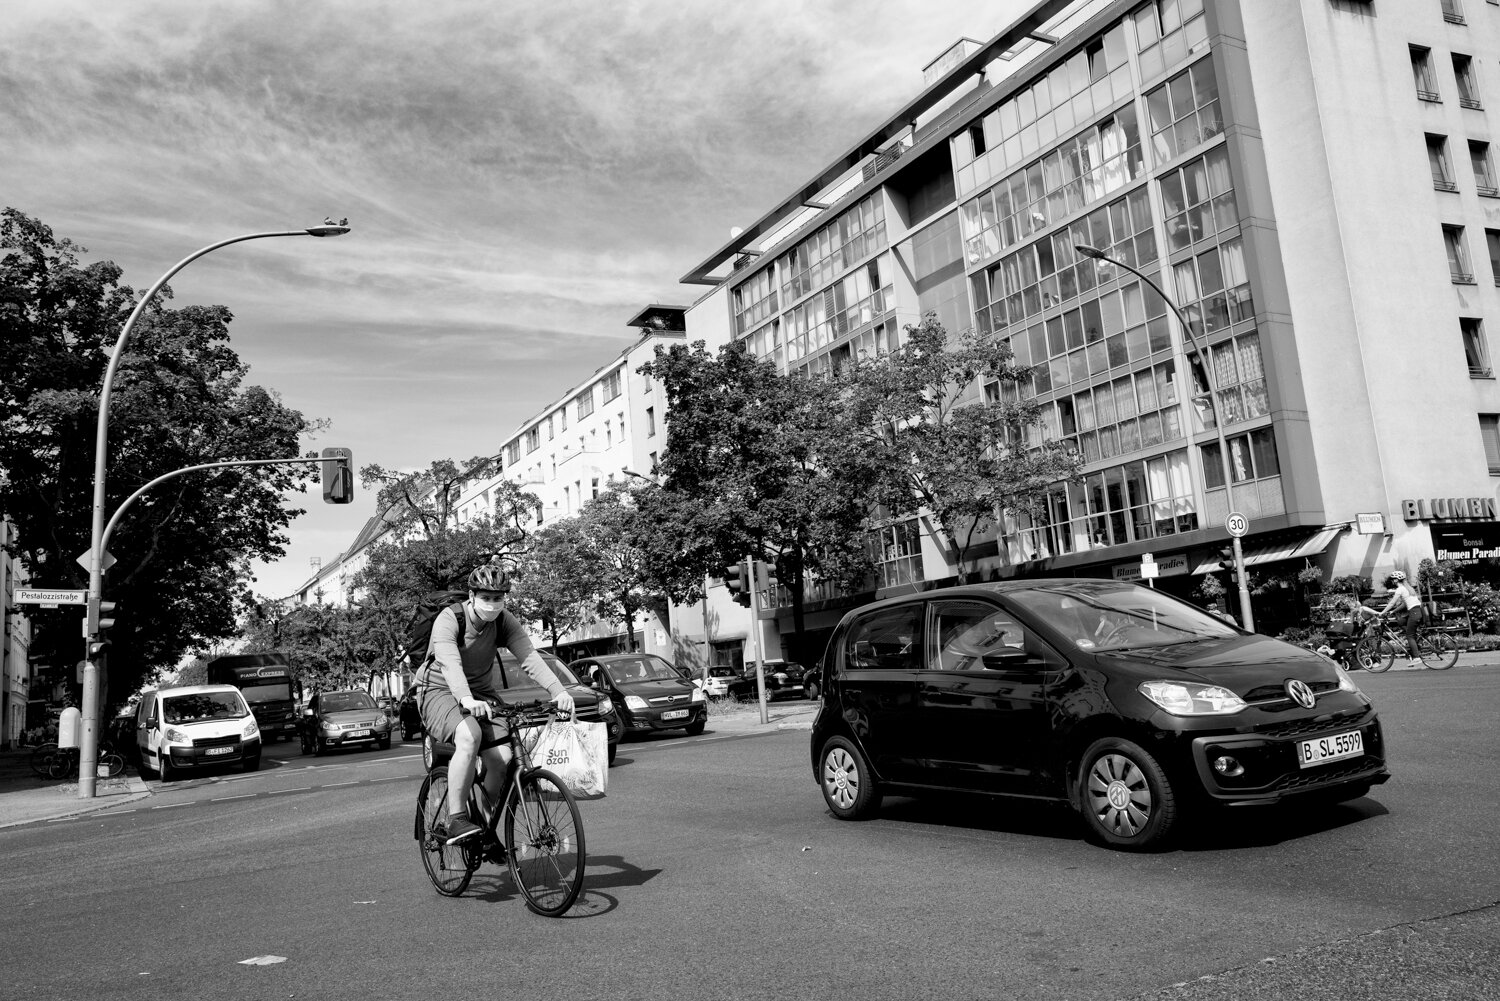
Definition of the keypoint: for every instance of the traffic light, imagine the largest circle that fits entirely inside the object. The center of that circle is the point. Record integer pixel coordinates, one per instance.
(337, 475)
(100, 620)
(1226, 558)
(737, 581)
(765, 576)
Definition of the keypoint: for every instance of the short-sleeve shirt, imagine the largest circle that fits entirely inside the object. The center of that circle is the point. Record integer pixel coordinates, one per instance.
(477, 654)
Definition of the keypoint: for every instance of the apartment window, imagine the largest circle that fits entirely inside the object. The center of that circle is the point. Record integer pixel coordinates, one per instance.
(533, 439)
(585, 402)
(1453, 11)
(1458, 256)
(1484, 171)
(562, 419)
(976, 138)
(595, 485)
(513, 453)
(1421, 71)
(611, 385)
(1492, 240)
(1475, 351)
(1468, 87)
(896, 551)
(1437, 161)
(549, 429)
(1489, 432)
(1146, 499)
(1184, 111)
(650, 422)
(1251, 457)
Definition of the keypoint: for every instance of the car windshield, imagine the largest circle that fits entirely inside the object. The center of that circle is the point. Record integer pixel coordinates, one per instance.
(272, 691)
(1116, 617)
(515, 678)
(203, 706)
(644, 668)
(343, 701)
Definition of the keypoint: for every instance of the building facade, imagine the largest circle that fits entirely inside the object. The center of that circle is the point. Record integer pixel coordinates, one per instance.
(1310, 180)
(16, 676)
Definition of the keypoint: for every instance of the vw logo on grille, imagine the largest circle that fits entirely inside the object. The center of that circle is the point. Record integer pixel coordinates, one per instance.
(1301, 694)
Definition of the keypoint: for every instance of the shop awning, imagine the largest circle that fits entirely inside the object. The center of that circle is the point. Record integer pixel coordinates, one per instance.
(1295, 547)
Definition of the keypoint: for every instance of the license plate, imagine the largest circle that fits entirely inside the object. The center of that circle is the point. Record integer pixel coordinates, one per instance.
(358, 733)
(675, 714)
(219, 750)
(1324, 749)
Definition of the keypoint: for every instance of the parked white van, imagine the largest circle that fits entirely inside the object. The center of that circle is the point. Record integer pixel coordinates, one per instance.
(195, 726)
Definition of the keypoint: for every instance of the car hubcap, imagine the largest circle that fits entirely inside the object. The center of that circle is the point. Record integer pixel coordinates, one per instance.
(1119, 795)
(840, 778)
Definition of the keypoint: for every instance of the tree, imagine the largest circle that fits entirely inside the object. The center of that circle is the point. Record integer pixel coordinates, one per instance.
(944, 448)
(557, 580)
(184, 550)
(756, 463)
(610, 526)
(426, 501)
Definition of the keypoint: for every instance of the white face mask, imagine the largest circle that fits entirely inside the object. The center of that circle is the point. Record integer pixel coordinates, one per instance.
(488, 611)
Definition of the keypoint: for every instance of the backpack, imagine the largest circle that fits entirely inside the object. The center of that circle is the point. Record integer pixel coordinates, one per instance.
(419, 632)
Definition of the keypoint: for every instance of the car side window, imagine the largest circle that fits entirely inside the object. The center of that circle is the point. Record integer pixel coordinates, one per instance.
(974, 636)
(885, 641)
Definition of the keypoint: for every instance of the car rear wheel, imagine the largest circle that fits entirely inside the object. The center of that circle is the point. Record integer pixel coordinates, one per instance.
(1126, 798)
(848, 785)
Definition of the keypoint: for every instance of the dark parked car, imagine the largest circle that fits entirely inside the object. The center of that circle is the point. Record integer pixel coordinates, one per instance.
(1123, 702)
(515, 685)
(647, 691)
(344, 719)
(410, 716)
(783, 680)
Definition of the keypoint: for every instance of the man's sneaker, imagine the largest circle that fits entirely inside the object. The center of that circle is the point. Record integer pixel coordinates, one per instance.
(458, 828)
(1418, 662)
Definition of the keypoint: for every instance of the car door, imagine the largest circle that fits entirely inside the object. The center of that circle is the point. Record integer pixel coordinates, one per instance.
(982, 699)
(880, 659)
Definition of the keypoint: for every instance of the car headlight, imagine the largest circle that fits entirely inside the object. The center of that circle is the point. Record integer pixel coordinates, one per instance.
(251, 730)
(175, 736)
(635, 702)
(1187, 699)
(698, 695)
(606, 707)
(330, 727)
(1346, 683)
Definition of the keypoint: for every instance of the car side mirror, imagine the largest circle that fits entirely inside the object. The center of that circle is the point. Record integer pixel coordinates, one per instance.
(1005, 659)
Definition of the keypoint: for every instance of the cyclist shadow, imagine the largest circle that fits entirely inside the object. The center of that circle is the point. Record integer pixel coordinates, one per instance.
(592, 901)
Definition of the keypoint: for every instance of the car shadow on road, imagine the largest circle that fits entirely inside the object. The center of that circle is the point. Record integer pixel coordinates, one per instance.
(1262, 827)
(980, 813)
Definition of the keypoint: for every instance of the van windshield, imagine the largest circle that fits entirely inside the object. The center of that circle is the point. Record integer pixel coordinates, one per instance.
(203, 706)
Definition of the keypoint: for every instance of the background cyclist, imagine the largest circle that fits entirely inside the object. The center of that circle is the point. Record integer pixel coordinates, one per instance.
(456, 677)
(1404, 594)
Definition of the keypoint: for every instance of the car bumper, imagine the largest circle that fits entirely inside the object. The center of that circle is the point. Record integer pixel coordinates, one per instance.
(1270, 758)
(646, 720)
(208, 757)
(348, 740)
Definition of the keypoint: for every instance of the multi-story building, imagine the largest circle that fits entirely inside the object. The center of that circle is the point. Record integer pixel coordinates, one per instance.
(15, 636)
(1310, 180)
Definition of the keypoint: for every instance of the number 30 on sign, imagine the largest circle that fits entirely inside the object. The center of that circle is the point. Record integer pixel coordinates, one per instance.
(1236, 524)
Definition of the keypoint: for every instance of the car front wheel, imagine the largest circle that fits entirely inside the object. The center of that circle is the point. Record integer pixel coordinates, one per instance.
(1126, 798)
(848, 785)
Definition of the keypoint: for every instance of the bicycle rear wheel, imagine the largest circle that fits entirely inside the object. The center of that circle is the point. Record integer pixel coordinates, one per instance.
(1375, 654)
(544, 838)
(450, 867)
(113, 762)
(41, 758)
(1439, 650)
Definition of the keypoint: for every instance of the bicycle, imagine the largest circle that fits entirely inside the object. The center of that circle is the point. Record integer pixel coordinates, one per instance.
(41, 758)
(1377, 648)
(540, 835)
(64, 761)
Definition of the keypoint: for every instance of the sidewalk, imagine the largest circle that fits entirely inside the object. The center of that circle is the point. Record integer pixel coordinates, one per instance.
(25, 799)
(791, 714)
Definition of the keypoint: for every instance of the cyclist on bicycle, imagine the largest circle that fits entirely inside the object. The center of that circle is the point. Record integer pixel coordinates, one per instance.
(1405, 594)
(457, 676)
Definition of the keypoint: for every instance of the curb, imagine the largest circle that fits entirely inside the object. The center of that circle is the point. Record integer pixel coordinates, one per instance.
(66, 807)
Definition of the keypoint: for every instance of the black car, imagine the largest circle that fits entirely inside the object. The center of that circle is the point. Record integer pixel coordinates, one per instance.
(409, 716)
(647, 692)
(515, 685)
(783, 679)
(1125, 703)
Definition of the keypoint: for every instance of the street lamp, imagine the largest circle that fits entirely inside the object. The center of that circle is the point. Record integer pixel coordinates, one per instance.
(1246, 617)
(88, 750)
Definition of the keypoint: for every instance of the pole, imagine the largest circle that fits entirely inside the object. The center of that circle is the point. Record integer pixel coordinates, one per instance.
(88, 749)
(1246, 616)
(760, 671)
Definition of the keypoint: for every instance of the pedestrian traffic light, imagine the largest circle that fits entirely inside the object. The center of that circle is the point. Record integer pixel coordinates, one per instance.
(1226, 558)
(736, 579)
(337, 475)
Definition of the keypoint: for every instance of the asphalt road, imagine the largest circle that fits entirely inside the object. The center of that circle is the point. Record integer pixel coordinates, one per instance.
(715, 872)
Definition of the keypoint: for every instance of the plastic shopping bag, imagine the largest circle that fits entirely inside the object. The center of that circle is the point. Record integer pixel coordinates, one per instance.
(577, 753)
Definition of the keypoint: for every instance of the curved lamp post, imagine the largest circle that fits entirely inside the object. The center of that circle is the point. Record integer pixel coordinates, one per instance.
(88, 751)
(1246, 618)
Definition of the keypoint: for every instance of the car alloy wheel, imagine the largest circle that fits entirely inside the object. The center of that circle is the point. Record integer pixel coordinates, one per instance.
(1126, 798)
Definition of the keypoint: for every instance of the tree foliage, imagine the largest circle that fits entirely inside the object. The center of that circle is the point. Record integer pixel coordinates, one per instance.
(557, 580)
(328, 647)
(945, 441)
(613, 528)
(184, 550)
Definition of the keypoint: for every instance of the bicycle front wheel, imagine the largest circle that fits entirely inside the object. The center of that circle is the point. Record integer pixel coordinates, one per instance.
(1439, 650)
(113, 762)
(41, 758)
(544, 840)
(450, 867)
(1375, 655)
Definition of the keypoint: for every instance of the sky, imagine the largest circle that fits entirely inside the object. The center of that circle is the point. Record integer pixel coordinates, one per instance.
(520, 179)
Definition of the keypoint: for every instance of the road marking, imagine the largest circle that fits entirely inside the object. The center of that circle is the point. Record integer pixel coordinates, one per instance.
(278, 792)
(247, 795)
(171, 806)
(115, 813)
(335, 785)
(392, 778)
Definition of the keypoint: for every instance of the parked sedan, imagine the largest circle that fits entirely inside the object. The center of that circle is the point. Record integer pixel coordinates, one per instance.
(1128, 705)
(344, 719)
(647, 692)
(783, 680)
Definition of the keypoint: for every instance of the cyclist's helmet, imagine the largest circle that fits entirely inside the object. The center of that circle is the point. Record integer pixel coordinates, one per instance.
(489, 578)
(1397, 576)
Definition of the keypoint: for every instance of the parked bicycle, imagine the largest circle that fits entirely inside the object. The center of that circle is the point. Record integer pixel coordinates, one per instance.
(63, 763)
(1377, 648)
(536, 830)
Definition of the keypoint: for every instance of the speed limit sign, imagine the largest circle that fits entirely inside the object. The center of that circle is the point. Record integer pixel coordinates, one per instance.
(1237, 524)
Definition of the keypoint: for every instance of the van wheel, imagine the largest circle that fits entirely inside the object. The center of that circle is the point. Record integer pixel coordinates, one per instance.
(164, 769)
(251, 764)
(847, 782)
(1125, 797)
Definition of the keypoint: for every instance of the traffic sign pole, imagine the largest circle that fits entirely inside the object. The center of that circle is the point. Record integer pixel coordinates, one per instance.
(1237, 525)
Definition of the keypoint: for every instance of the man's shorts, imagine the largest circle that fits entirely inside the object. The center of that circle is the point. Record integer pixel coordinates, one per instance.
(441, 714)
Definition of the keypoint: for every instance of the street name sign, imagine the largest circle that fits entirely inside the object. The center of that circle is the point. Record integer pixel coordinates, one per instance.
(50, 599)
